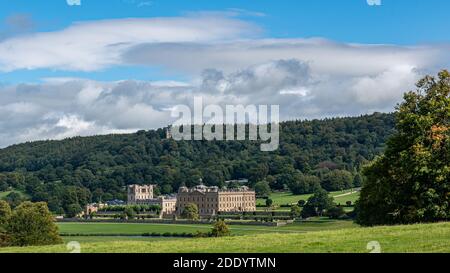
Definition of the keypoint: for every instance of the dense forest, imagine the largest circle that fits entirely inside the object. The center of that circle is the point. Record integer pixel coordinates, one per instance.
(69, 173)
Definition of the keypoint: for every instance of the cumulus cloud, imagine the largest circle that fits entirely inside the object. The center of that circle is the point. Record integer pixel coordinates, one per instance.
(225, 64)
(88, 46)
(323, 56)
(60, 108)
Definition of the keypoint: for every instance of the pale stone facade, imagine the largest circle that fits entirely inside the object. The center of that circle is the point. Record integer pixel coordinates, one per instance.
(143, 195)
(137, 194)
(211, 200)
(92, 208)
(167, 204)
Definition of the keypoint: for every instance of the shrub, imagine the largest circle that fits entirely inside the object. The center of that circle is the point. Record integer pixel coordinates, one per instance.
(130, 212)
(262, 189)
(199, 234)
(73, 210)
(190, 212)
(32, 224)
(317, 203)
(5, 213)
(335, 212)
(295, 211)
(220, 229)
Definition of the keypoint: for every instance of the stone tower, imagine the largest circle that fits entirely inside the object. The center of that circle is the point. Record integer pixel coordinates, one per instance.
(139, 193)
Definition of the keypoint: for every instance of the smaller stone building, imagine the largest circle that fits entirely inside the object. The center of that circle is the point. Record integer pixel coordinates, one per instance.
(136, 194)
(167, 203)
(143, 195)
(92, 208)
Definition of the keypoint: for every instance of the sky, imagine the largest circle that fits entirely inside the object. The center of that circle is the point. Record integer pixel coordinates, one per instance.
(86, 67)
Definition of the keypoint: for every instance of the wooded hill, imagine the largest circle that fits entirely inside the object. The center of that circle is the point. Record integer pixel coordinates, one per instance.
(69, 173)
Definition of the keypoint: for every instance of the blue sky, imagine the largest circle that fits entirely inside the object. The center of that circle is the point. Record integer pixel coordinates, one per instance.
(342, 20)
(351, 21)
(120, 65)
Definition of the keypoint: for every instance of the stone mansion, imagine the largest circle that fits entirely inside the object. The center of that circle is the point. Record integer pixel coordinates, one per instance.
(209, 200)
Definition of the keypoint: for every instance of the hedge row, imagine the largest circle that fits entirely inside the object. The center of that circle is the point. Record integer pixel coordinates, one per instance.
(146, 234)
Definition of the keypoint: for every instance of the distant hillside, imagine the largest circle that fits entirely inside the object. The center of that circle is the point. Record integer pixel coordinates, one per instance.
(74, 171)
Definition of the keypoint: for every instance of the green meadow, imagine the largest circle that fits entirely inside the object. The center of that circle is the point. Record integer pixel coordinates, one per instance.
(287, 198)
(405, 238)
(134, 229)
(3, 194)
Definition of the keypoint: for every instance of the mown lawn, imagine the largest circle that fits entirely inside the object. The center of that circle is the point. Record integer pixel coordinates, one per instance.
(96, 239)
(408, 238)
(3, 194)
(139, 229)
(283, 198)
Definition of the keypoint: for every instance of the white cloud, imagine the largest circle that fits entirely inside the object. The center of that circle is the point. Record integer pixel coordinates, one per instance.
(73, 2)
(323, 56)
(89, 46)
(58, 109)
(308, 78)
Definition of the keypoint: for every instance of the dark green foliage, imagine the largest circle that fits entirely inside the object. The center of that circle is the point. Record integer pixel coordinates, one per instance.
(262, 189)
(358, 180)
(136, 208)
(73, 210)
(319, 202)
(85, 169)
(410, 182)
(130, 212)
(336, 212)
(190, 212)
(14, 199)
(3, 185)
(269, 202)
(337, 180)
(32, 224)
(302, 184)
(220, 229)
(295, 211)
(5, 214)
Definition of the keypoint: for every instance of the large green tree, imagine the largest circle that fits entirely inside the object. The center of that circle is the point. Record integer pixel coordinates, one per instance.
(337, 180)
(32, 224)
(319, 202)
(5, 213)
(190, 212)
(262, 189)
(220, 229)
(410, 182)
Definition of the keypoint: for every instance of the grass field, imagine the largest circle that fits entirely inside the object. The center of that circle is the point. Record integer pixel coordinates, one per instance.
(410, 238)
(283, 198)
(3, 194)
(98, 239)
(140, 228)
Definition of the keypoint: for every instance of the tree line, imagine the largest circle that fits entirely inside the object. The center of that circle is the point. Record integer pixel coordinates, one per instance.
(70, 173)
